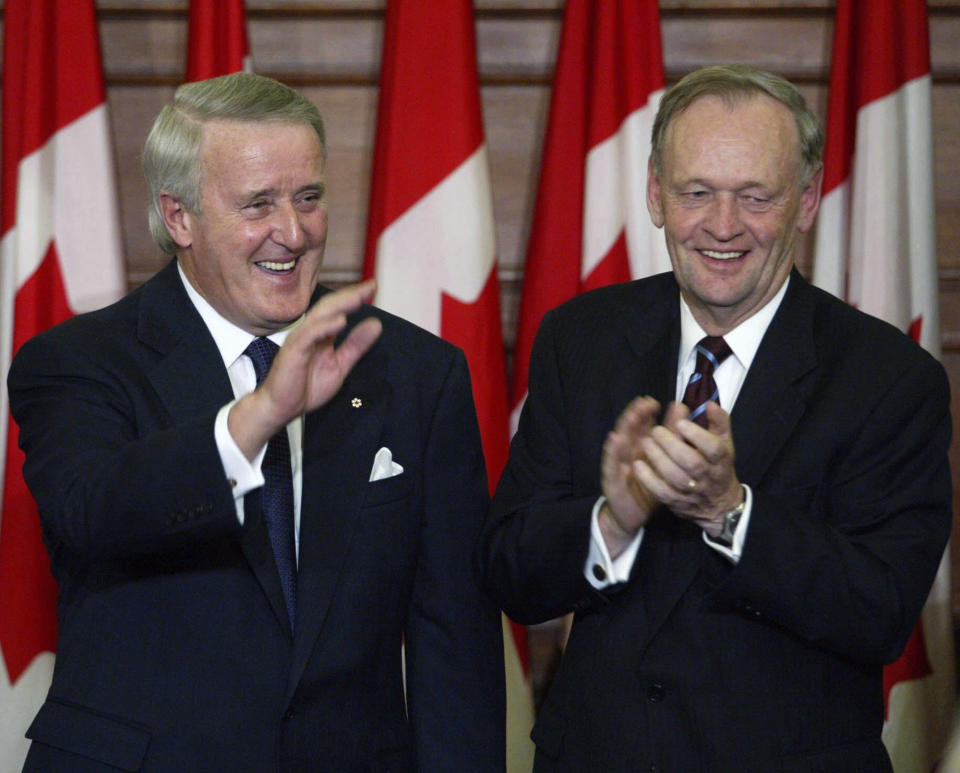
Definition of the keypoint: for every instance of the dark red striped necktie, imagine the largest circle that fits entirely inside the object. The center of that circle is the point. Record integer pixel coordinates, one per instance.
(702, 389)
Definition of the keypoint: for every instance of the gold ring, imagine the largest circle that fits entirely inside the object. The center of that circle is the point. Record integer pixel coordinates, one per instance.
(691, 484)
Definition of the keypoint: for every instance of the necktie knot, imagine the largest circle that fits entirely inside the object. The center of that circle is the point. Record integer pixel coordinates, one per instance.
(714, 349)
(261, 352)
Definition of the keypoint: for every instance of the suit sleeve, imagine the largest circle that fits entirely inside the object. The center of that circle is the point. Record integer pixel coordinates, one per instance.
(846, 562)
(110, 472)
(454, 640)
(537, 537)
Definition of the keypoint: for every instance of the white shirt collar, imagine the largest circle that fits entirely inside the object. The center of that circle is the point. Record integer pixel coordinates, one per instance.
(743, 340)
(231, 340)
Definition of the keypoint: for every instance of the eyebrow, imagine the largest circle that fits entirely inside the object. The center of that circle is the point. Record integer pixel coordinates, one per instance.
(745, 186)
(314, 186)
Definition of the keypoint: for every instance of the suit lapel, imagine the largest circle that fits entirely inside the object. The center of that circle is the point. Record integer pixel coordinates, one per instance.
(340, 441)
(774, 395)
(653, 339)
(189, 381)
(182, 375)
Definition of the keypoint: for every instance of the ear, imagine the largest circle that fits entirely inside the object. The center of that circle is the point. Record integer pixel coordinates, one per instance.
(810, 201)
(654, 196)
(177, 218)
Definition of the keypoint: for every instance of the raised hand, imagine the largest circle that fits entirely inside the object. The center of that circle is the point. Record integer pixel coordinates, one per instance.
(629, 504)
(308, 370)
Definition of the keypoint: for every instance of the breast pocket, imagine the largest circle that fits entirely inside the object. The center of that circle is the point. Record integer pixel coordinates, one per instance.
(387, 490)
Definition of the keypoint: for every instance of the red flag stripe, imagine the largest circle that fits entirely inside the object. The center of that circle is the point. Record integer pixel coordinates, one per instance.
(464, 325)
(894, 59)
(609, 65)
(428, 115)
(217, 41)
(60, 77)
(28, 623)
(611, 28)
(429, 88)
(60, 247)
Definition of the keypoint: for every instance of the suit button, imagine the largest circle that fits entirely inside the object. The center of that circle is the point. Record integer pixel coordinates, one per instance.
(599, 572)
(289, 714)
(656, 692)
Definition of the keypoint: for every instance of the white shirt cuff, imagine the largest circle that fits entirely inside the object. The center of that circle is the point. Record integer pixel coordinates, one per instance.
(600, 570)
(244, 475)
(739, 533)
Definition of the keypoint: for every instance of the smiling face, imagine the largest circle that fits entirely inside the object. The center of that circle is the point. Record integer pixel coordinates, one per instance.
(255, 248)
(731, 199)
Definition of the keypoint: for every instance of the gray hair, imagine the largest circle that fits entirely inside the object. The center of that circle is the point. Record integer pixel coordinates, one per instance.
(733, 83)
(171, 153)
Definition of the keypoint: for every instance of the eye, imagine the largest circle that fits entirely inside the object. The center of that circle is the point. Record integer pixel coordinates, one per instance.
(756, 202)
(257, 206)
(309, 200)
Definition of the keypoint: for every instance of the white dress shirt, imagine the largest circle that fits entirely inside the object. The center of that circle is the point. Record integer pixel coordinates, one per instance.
(744, 341)
(243, 474)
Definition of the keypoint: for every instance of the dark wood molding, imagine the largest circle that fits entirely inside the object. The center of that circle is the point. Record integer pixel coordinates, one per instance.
(123, 9)
(950, 77)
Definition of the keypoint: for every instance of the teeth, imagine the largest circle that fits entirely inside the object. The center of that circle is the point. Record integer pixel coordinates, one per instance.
(723, 255)
(274, 266)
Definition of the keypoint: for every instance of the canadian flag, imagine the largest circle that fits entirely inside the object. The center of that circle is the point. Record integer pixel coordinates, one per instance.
(430, 236)
(217, 42)
(590, 226)
(875, 248)
(61, 255)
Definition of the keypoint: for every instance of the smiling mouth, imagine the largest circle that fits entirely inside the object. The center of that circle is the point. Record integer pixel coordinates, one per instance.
(725, 255)
(278, 267)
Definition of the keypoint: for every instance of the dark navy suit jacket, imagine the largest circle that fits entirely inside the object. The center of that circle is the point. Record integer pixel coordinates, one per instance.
(841, 429)
(174, 650)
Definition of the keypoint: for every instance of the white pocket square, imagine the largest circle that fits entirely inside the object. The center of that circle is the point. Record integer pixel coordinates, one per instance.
(384, 466)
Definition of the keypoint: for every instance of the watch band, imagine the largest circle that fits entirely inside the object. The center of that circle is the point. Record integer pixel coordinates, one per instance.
(730, 520)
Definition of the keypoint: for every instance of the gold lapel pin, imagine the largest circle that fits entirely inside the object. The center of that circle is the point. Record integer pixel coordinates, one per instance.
(356, 402)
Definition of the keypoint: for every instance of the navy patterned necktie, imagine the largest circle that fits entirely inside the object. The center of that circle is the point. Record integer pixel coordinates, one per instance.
(701, 389)
(277, 488)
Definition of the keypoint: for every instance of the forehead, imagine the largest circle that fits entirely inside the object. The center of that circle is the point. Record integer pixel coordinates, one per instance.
(230, 146)
(713, 131)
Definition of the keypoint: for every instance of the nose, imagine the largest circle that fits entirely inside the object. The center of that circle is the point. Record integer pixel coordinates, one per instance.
(723, 218)
(288, 228)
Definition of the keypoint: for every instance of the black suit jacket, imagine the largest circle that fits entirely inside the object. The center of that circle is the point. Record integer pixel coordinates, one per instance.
(174, 650)
(841, 429)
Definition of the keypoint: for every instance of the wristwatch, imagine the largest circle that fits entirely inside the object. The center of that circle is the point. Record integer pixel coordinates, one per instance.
(730, 520)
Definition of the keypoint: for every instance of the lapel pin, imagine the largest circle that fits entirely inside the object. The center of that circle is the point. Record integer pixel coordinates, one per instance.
(356, 402)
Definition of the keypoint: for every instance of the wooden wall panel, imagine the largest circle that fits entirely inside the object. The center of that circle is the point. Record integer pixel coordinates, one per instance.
(331, 49)
(795, 46)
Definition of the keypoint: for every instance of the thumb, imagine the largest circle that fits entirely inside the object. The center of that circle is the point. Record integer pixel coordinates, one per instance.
(674, 413)
(718, 421)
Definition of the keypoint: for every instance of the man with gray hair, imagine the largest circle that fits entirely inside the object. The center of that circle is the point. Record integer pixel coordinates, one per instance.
(737, 483)
(260, 498)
